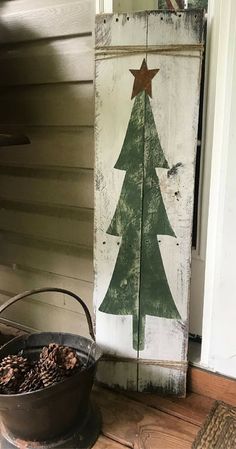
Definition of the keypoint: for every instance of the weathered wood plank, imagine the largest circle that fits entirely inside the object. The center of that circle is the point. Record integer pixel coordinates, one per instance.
(194, 408)
(26, 20)
(112, 75)
(63, 60)
(182, 28)
(58, 187)
(171, 93)
(159, 256)
(135, 425)
(54, 105)
(46, 255)
(115, 371)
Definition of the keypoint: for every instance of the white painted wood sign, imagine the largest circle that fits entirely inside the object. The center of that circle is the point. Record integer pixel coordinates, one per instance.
(148, 70)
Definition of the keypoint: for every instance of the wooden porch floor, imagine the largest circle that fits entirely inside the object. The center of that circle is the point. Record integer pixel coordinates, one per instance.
(146, 421)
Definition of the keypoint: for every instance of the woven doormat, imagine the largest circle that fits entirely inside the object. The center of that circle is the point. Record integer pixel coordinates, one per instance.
(219, 429)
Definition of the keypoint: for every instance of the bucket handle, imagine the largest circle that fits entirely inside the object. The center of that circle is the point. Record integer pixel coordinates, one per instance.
(51, 289)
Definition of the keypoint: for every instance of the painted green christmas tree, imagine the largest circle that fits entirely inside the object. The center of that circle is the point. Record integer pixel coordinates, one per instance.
(139, 286)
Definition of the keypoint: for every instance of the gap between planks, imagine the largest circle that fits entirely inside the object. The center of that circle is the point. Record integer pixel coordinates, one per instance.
(135, 425)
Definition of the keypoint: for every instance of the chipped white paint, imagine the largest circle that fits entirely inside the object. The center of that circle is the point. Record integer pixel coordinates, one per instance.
(174, 104)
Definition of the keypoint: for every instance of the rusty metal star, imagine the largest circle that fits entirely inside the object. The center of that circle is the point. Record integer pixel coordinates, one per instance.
(143, 79)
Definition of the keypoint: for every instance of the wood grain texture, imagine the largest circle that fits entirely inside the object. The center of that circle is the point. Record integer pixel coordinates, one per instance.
(54, 105)
(194, 408)
(53, 146)
(115, 370)
(136, 425)
(107, 443)
(114, 333)
(178, 76)
(32, 20)
(176, 115)
(40, 62)
(212, 385)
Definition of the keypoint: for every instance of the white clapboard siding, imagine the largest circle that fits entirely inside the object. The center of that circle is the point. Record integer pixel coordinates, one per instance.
(29, 20)
(53, 104)
(41, 62)
(79, 232)
(46, 188)
(48, 209)
(21, 279)
(161, 365)
(49, 255)
(48, 147)
(34, 315)
(63, 188)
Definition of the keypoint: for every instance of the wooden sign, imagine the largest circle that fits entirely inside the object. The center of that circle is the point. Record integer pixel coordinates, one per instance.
(148, 68)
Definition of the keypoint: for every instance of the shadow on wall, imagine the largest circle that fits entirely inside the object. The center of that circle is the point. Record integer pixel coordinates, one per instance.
(27, 100)
(30, 66)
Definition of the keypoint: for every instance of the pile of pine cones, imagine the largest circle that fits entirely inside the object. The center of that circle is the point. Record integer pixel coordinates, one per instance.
(19, 375)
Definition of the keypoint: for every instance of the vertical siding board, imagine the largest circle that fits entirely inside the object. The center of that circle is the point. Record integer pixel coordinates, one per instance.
(178, 77)
(111, 76)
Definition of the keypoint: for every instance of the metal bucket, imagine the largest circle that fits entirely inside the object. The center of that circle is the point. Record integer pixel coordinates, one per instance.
(60, 415)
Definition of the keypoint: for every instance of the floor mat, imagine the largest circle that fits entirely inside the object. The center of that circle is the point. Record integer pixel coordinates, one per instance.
(219, 429)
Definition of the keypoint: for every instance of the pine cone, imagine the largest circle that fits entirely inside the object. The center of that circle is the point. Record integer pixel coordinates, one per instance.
(69, 360)
(63, 356)
(14, 361)
(50, 373)
(56, 362)
(50, 352)
(12, 370)
(32, 381)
